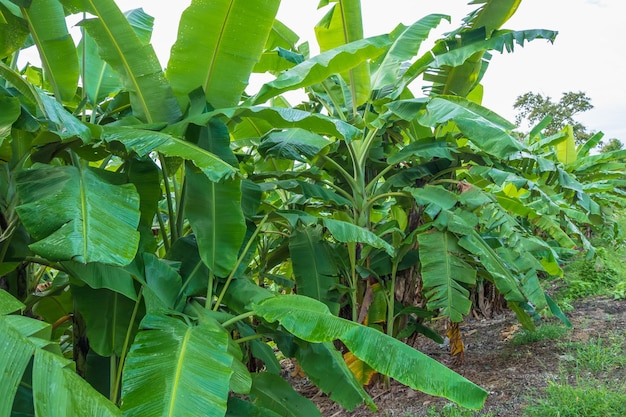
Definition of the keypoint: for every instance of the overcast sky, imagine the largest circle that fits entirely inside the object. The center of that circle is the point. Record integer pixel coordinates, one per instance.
(589, 54)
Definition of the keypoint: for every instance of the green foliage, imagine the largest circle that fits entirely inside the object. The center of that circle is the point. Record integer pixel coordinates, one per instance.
(162, 212)
(543, 332)
(452, 410)
(600, 275)
(534, 107)
(598, 354)
(587, 398)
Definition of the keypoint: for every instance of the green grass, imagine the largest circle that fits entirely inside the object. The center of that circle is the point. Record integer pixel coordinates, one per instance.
(453, 410)
(544, 332)
(598, 355)
(588, 398)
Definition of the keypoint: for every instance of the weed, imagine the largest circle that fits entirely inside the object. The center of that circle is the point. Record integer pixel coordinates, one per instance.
(544, 332)
(588, 398)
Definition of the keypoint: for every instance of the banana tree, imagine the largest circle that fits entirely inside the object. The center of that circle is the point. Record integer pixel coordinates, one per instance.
(128, 224)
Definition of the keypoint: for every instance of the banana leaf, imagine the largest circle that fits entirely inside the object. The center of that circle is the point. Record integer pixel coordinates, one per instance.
(215, 214)
(314, 270)
(319, 68)
(189, 365)
(486, 130)
(445, 274)
(218, 44)
(274, 393)
(340, 26)
(310, 320)
(56, 382)
(63, 209)
(100, 79)
(405, 46)
(143, 142)
(135, 61)
(277, 117)
(59, 58)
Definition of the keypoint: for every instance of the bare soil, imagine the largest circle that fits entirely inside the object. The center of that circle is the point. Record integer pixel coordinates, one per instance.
(512, 374)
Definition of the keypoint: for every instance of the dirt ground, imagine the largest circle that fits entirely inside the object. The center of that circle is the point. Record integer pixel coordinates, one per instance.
(510, 373)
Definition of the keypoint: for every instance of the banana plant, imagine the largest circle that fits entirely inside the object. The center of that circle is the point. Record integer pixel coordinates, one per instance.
(128, 224)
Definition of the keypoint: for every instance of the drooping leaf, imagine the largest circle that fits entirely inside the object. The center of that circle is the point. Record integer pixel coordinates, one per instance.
(46, 20)
(98, 276)
(310, 320)
(189, 363)
(144, 141)
(107, 317)
(279, 118)
(63, 123)
(295, 144)
(274, 393)
(220, 59)
(63, 209)
(326, 368)
(348, 232)
(215, 214)
(313, 266)
(484, 128)
(319, 68)
(135, 61)
(59, 391)
(445, 274)
(241, 408)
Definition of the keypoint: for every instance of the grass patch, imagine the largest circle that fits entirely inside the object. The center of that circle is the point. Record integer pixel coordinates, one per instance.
(598, 355)
(544, 332)
(453, 410)
(588, 398)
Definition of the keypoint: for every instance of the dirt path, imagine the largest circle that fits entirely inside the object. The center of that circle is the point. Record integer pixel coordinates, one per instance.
(510, 373)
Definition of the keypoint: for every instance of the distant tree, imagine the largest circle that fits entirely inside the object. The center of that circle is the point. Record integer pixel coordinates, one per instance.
(534, 107)
(614, 144)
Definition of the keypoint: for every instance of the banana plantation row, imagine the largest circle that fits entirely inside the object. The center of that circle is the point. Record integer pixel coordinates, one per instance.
(156, 225)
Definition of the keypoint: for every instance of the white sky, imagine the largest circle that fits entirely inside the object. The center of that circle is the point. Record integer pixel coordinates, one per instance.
(589, 54)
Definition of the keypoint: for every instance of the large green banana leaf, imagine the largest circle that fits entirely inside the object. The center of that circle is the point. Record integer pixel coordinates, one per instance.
(56, 386)
(145, 141)
(215, 214)
(46, 20)
(107, 317)
(177, 369)
(135, 61)
(484, 128)
(98, 276)
(100, 79)
(81, 214)
(13, 30)
(340, 26)
(59, 391)
(310, 320)
(313, 267)
(405, 46)
(445, 274)
(317, 69)
(218, 44)
(274, 393)
(325, 366)
(442, 55)
(277, 117)
(348, 232)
